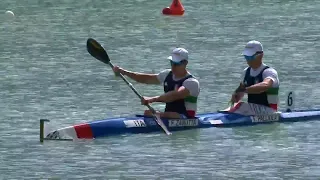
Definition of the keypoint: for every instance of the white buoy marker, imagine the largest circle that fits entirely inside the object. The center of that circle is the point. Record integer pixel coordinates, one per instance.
(9, 14)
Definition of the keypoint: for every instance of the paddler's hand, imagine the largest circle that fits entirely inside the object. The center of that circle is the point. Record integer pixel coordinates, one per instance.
(235, 98)
(238, 93)
(117, 70)
(241, 88)
(148, 100)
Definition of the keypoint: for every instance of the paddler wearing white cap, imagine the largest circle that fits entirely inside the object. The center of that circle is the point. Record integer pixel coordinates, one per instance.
(258, 80)
(181, 89)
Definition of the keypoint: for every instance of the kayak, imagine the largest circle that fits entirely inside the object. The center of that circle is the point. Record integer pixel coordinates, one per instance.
(142, 124)
(242, 114)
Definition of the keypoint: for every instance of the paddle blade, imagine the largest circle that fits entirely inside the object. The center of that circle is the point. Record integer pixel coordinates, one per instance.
(161, 124)
(97, 51)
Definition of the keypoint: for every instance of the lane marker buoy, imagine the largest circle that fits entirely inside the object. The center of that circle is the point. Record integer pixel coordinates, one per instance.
(176, 9)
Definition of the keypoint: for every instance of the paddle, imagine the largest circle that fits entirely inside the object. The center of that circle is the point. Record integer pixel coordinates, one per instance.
(98, 52)
(241, 88)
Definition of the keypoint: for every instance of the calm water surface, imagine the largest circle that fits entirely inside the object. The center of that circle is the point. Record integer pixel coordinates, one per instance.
(46, 72)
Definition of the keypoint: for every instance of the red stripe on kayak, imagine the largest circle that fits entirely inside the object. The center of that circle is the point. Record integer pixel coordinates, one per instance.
(84, 131)
(234, 108)
(191, 113)
(274, 106)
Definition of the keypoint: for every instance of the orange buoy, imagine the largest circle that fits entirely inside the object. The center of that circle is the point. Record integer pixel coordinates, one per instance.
(166, 11)
(176, 8)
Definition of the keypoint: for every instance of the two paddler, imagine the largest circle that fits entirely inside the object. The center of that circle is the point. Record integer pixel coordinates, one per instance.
(258, 80)
(181, 89)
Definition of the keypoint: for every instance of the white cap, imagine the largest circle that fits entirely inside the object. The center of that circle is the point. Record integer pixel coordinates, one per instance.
(252, 47)
(179, 54)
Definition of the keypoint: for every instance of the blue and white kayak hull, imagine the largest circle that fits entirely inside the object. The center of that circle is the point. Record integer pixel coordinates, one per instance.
(142, 124)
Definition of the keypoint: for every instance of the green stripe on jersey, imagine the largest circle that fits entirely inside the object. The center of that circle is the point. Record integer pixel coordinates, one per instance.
(273, 91)
(191, 99)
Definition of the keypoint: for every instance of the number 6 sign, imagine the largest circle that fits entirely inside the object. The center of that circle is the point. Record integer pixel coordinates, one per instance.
(290, 101)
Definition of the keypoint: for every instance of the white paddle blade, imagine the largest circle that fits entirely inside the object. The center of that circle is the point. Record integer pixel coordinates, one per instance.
(161, 124)
(290, 101)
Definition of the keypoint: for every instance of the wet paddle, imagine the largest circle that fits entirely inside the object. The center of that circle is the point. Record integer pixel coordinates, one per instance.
(98, 52)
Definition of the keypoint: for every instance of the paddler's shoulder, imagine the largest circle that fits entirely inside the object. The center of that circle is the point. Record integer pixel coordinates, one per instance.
(269, 69)
(190, 74)
(192, 78)
(162, 75)
(165, 71)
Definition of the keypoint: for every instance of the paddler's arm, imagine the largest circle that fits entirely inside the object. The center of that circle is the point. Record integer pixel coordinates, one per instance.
(170, 96)
(139, 77)
(238, 94)
(260, 87)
